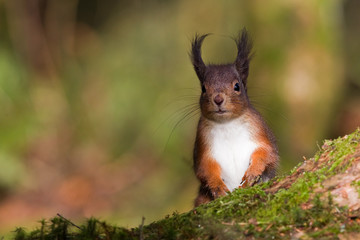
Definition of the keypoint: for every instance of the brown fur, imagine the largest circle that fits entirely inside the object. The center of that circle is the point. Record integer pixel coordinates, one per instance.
(224, 98)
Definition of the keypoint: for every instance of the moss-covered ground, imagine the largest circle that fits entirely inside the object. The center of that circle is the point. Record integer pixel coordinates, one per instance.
(313, 201)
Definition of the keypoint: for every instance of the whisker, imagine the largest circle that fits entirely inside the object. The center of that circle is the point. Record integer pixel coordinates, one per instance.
(183, 98)
(193, 112)
(179, 111)
(257, 96)
(197, 90)
(258, 105)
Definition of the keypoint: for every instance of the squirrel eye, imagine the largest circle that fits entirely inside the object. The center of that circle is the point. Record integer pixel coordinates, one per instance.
(237, 87)
(203, 89)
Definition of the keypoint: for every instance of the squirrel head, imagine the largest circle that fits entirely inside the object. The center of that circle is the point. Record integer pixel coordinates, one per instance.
(224, 87)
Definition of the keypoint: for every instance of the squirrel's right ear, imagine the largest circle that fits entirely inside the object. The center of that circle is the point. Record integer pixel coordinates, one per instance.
(195, 55)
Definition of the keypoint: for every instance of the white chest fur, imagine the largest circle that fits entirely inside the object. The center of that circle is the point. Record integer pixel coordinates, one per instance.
(231, 146)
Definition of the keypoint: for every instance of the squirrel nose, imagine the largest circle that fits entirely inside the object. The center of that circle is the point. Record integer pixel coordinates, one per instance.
(218, 100)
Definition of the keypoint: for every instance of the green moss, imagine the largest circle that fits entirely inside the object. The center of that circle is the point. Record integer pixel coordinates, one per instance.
(272, 209)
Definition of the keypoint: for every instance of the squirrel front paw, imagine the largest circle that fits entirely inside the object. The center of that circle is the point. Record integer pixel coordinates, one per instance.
(249, 180)
(219, 191)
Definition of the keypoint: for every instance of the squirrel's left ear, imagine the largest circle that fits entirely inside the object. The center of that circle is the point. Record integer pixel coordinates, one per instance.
(244, 47)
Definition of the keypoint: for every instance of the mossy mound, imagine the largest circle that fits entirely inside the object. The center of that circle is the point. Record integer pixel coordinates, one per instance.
(319, 198)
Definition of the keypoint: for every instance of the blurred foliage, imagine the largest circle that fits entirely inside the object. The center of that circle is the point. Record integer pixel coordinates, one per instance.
(99, 98)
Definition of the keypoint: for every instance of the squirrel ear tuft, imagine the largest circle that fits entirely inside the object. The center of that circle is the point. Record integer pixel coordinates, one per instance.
(195, 55)
(244, 55)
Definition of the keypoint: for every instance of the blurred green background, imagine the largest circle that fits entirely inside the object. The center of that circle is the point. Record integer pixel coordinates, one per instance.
(97, 97)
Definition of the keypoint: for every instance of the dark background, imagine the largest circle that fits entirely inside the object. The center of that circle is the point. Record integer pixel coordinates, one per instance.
(96, 97)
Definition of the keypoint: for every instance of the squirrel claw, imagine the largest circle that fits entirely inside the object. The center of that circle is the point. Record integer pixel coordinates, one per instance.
(220, 191)
(249, 180)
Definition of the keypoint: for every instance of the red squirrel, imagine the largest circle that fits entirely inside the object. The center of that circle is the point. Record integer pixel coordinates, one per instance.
(234, 147)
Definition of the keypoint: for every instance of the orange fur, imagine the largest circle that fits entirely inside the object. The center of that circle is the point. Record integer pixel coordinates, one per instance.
(223, 98)
(210, 171)
(258, 160)
(263, 158)
(207, 170)
(257, 166)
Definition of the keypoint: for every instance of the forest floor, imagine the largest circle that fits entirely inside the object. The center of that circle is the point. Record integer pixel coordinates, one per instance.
(320, 198)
